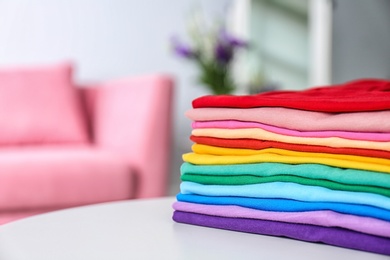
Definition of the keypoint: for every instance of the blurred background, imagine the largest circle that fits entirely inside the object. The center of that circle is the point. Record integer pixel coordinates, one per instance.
(294, 44)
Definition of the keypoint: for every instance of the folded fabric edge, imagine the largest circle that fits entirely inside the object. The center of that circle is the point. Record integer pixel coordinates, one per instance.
(325, 218)
(310, 233)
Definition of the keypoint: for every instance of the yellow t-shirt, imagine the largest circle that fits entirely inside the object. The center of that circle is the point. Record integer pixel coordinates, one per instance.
(208, 155)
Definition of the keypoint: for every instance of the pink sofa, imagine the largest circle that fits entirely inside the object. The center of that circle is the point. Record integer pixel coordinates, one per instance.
(121, 149)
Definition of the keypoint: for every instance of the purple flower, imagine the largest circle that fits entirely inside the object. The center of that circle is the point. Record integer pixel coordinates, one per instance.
(226, 43)
(182, 49)
(232, 40)
(223, 53)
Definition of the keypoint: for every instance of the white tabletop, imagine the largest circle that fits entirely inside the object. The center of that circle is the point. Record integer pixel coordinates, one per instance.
(143, 229)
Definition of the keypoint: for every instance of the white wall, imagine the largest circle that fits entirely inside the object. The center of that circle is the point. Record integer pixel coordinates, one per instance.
(361, 39)
(107, 39)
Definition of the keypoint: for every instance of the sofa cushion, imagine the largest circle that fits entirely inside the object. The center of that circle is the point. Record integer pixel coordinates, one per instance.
(55, 177)
(40, 105)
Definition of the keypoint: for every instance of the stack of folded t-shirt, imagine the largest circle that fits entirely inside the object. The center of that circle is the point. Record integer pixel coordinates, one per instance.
(312, 165)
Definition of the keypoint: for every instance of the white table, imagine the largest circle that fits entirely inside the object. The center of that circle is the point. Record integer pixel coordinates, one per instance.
(143, 229)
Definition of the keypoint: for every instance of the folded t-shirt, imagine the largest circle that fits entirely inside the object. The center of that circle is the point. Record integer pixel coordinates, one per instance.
(286, 205)
(247, 143)
(287, 190)
(359, 95)
(299, 119)
(235, 124)
(260, 134)
(308, 171)
(209, 155)
(324, 218)
(312, 233)
(213, 150)
(251, 179)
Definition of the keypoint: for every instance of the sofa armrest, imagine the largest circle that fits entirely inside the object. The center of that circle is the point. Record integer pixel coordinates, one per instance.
(132, 117)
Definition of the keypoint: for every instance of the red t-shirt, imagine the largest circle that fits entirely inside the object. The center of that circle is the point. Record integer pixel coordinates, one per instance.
(354, 96)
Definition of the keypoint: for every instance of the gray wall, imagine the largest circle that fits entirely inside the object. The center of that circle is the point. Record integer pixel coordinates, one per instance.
(361, 39)
(108, 39)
